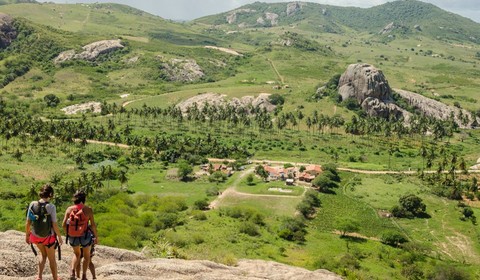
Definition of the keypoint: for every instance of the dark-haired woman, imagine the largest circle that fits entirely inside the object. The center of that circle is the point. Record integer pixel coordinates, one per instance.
(77, 219)
(42, 230)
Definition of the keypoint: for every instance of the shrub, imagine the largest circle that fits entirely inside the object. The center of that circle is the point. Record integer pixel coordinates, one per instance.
(393, 239)
(293, 229)
(249, 228)
(201, 204)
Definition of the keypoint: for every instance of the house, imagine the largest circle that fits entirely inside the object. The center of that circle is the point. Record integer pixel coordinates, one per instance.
(310, 173)
(210, 168)
(276, 173)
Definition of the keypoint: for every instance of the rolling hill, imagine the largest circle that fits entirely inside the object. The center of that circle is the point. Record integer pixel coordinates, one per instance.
(409, 17)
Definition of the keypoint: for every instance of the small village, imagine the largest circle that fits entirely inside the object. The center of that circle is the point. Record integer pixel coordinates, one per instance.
(291, 175)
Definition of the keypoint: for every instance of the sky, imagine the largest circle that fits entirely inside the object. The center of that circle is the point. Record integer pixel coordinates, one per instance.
(192, 9)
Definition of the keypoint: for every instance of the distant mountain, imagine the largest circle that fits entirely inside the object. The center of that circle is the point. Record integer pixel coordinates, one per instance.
(399, 17)
(7, 2)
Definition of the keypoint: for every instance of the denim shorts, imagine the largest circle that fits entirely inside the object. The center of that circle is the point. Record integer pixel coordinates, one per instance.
(85, 240)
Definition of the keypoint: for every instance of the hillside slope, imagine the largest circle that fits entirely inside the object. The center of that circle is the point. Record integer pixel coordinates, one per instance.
(409, 16)
(18, 262)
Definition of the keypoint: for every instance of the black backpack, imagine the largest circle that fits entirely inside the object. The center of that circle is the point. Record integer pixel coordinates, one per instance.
(41, 220)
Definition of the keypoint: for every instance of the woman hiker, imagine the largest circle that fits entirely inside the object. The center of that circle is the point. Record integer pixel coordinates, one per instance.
(42, 230)
(76, 223)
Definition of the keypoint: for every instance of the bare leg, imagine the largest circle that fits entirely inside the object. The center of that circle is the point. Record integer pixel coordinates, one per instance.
(92, 269)
(86, 261)
(77, 269)
(52, 262)
(75, 260)
(41, 259)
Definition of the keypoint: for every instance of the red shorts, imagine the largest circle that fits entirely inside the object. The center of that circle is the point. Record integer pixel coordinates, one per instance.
(47, 241)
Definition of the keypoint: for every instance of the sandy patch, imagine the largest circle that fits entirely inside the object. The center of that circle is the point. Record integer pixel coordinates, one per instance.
(230, 51)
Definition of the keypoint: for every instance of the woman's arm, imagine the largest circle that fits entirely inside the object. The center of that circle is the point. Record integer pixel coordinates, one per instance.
(65, 218)
(27, 231)
(93, 225)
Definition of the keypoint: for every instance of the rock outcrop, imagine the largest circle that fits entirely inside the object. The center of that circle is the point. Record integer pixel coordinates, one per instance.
(232, 17)
(8, 33)
(293, 8)
(272, 17)
(368, 86)
(211, 98)
(387, 29)
(439, 110)
(90, 51)
(361, 81)
(182, 70)
(17, 262)
(94, 107)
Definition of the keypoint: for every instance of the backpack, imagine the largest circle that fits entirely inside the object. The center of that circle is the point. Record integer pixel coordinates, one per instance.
(41, 220)
(77, 223)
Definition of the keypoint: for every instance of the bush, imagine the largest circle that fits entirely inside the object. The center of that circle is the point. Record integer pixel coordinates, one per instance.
(249, 228)
(393, 239)
(201, 204)
(292, 229)
(447, 272)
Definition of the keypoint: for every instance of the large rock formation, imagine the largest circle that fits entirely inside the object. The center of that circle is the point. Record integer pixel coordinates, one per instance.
(17, 262)
(293, 7)
(7, 31)
(439, 110)
(211, 98)
(361, 81)
(90, 51)
(182, 70)
(368, 86)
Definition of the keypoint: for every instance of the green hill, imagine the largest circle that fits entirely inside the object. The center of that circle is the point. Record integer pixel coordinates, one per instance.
(428, 19)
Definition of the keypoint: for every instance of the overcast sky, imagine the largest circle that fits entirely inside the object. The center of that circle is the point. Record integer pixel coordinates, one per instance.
(191, 9)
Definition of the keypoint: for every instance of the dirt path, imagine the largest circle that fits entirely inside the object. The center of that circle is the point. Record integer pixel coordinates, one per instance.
(276, 71)
(231, 189)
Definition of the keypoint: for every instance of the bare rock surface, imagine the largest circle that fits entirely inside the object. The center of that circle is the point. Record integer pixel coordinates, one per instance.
(439, 110)
(182, 70)
(90, 51)
(370, 88)
(363, 80)
(94, 107)
(272, 17)
(376, 108)
(232, 17)
(17, 262)
(293, 7)
(8, 33)
(388, 28)
(216, 99)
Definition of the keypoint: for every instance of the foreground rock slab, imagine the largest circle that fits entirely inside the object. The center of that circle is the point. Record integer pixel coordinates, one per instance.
(18, 262)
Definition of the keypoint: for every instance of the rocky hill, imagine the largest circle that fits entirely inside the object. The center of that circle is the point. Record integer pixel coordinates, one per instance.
(369, 87)
(403, 17)
(18, 262)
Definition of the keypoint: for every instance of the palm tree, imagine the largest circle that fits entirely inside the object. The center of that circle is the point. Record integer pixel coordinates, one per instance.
(122, 177)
